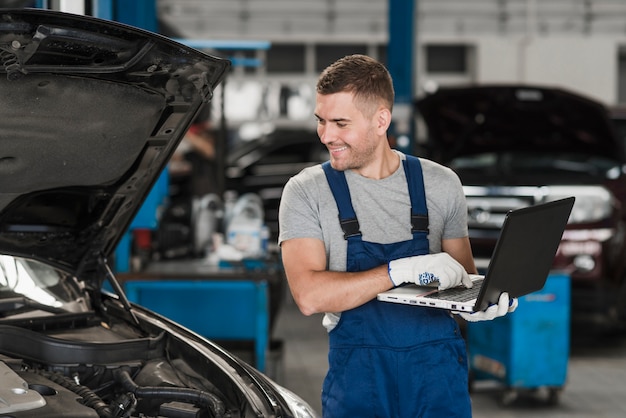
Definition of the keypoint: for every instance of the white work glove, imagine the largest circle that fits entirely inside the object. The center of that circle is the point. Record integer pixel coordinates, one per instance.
(503, 307)
(425, 269)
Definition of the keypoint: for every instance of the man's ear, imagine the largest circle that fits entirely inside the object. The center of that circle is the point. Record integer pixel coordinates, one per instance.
(383, 120)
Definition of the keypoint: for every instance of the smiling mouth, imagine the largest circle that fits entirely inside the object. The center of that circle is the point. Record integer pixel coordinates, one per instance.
(337, 150)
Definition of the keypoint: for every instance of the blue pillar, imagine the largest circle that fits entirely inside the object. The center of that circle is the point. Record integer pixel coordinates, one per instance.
(138, 13)
(103, 9)
(401, 65)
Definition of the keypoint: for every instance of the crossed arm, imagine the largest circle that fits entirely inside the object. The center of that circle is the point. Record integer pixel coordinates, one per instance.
(317, 290)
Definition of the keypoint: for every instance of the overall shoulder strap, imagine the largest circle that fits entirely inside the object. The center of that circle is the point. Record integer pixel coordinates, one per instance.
(415, 179)
(339, 187)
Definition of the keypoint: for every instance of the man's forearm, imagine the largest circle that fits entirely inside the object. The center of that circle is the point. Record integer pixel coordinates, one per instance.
(330, 291)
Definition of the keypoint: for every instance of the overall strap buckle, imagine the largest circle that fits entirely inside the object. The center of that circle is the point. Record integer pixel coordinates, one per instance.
(350, 227)
(419, 223)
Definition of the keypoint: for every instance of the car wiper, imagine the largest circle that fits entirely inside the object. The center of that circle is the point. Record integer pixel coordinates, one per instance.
(19, 304)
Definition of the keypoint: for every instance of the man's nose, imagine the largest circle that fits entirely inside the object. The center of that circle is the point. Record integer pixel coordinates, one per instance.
(325, 134)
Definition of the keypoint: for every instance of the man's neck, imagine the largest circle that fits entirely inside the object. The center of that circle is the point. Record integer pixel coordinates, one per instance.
(382, 167)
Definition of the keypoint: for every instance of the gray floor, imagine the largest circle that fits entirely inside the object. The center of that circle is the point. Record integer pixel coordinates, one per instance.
(595, 385)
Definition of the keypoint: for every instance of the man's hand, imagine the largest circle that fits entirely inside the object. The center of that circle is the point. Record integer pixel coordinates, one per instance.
(504, 306)
(425, 269)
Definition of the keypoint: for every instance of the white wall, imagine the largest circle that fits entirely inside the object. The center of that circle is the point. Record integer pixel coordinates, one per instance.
(586, 65)
(570, 43)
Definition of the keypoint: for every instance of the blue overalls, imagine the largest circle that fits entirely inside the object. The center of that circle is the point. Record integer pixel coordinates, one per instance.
(386, 359)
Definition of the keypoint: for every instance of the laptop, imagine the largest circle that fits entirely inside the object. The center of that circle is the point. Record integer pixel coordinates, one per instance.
(520, 263)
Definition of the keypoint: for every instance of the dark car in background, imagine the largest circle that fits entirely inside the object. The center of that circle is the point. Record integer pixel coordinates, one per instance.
(92, 110)
(520, 145)
(263, 165)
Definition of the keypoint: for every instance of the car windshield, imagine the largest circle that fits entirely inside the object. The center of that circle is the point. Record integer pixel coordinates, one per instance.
(519, 163)
(31, 288)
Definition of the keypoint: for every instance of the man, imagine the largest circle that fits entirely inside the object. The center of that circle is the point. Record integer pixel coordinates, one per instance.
(371, 219)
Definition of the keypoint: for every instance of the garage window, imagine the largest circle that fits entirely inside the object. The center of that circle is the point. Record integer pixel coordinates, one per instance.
(446, 59)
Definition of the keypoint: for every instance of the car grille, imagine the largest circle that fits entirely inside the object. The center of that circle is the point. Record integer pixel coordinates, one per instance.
(487, 206)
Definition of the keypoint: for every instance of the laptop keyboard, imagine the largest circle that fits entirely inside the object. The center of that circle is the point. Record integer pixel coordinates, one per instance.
(458, 294)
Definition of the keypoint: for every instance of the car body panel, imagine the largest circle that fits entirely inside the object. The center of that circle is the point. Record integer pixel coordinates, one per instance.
(522, 118)
(91, 117)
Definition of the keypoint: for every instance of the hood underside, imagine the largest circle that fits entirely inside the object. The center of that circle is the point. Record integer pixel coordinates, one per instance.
(496, 118)
(91, 112)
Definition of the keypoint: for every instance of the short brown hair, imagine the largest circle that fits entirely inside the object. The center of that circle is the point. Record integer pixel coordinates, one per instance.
(366, 78)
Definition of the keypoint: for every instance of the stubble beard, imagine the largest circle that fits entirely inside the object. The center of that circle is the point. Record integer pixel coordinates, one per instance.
(356, 159)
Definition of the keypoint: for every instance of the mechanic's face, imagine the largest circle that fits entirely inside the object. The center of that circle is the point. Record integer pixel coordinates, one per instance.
(351, 137)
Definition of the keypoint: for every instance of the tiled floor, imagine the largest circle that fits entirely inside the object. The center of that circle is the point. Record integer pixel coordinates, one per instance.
(595, 386)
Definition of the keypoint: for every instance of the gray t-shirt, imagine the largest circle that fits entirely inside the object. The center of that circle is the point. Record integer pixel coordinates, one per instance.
(308, 210)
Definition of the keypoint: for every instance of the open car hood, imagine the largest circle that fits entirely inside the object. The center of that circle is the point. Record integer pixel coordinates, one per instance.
(91, 111)
(494, 118)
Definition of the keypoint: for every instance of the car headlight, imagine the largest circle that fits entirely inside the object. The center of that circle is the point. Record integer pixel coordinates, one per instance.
(593, 203)
(298, 406)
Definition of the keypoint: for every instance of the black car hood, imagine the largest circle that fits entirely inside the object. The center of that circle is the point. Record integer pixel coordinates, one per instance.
(91, 111)
(495, 118)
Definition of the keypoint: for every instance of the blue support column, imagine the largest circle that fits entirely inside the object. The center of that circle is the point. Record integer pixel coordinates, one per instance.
(401, 65)
(103, 9)
(139, 13)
